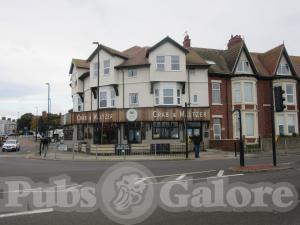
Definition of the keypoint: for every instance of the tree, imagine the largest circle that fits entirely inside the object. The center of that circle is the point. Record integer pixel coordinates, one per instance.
(52, 121)
(24, 122)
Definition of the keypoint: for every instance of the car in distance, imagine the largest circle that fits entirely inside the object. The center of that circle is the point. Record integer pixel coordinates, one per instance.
(11, 145)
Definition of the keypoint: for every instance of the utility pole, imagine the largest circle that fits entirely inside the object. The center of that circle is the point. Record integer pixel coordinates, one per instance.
(36, 123)
(98, 88)
(48, 84)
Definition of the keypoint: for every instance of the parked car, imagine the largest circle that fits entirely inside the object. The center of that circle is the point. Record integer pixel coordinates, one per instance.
(11, 145)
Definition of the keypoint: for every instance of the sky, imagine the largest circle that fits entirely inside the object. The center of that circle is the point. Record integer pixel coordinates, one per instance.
(38, 39)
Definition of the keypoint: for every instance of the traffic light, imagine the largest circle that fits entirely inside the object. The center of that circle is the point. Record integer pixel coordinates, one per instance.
(279, 99)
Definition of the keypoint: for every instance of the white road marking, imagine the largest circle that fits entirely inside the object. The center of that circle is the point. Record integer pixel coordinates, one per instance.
(176, 174)
(27, 212)
(220, 173)
(140, 180)
(202, 178)
(181, 177)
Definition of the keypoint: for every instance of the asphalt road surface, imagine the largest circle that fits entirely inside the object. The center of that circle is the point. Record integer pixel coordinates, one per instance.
(41, 170)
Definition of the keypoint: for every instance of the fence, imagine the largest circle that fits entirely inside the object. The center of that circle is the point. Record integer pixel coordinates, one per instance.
(122, 151)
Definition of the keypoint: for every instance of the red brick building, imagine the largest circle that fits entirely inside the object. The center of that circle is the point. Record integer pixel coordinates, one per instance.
(242, 79)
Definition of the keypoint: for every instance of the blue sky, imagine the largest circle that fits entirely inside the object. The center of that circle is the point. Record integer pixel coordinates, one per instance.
(39, 38)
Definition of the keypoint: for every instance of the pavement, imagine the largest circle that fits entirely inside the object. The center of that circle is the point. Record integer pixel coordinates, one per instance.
(80, 171)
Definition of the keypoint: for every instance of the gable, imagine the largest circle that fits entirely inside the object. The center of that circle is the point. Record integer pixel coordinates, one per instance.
(283, 67)
(243, 65)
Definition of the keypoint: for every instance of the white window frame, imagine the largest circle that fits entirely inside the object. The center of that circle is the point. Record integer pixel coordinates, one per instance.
(106, 67)
(156, 97)
(243, 66)
(160, 62)
(217, 136)
(282, 71)
(132, 73)
(215, 90)
(175, 61)
(168, 96)
(103, 99)
(159, 91)
(247, 125)
(136, 96)
(112, 98)
(237, 92)
(290, 94)
(95, 69)
(195, 99)
(292, 123)
(280, 120)
(252, 92)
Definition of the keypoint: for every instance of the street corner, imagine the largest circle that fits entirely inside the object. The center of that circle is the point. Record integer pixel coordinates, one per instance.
(262, 167)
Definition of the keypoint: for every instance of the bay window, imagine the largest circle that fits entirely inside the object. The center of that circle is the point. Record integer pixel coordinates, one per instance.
(290, 93)
(167, 94)
(280, 124)
(249, 120)
(237, 93)
(248, 92)
(95, 69)
(291, 123)
(156, 95)
(107, 97)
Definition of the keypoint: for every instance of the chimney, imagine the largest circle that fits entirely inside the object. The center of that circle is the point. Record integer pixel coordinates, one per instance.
(3, 118)
(234, 40)
(187, 41)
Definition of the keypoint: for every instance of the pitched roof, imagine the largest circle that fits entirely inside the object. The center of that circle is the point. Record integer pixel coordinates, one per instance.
(109, 50)
(231, 55)
(170, 40)
(79, 63)
(296, 63)
(270, 59)
(216, 58)
(137, 56)
(194, 59)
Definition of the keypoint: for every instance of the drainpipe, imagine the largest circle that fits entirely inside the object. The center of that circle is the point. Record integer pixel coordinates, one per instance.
(123, 89)
(189, 92)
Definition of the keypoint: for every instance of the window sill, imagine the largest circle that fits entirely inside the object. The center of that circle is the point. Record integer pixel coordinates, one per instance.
(216, 104)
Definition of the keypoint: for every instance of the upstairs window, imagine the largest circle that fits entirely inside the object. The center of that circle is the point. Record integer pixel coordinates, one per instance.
(243, 66)
(237, 93)
(290, 93)
(175, 64)
(106, 65)
(103, 99)
(95, 69)
(132, 73)
(112, 98)
(283, 69)
(291, 123)
(216, 93)
(156, 95)
(133, 99)
(195, 99)
(160, 62)
(248, 91)
(178, 97)
(168, 96)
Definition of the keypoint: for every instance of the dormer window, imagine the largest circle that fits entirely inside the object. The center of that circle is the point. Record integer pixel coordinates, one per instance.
(283, 69)
(243, 66)
(160, 62)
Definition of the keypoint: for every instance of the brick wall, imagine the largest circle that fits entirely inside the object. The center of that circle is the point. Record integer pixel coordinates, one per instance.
(225, 144)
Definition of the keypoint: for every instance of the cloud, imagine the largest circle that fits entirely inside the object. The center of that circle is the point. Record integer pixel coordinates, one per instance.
(39, 38)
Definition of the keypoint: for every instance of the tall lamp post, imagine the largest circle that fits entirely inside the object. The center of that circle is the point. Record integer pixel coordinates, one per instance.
(242, 157)
(98, 83)
(48, 84)
(36, 122)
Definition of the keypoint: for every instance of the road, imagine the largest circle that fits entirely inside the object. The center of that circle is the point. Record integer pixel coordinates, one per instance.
(79, 171)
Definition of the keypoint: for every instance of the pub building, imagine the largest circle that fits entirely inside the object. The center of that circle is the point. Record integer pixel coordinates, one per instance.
(143, 90)
(142, 93)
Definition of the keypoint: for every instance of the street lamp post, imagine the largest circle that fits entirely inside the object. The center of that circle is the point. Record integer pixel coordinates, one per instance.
(98, 84)
(36, 123)
(242, 157)
(48, 84)
(186, 129)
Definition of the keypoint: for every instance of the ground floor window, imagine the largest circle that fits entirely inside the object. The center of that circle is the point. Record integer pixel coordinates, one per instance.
(106, 134)
(291, 123)
(134, 132)
(217, 128)
(68, 133)
(280, 124)
(80, 132)
(249, 120)
(165, 130)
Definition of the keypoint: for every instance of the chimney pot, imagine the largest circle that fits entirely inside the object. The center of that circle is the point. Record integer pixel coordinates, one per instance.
(187, 41)
(234, 40)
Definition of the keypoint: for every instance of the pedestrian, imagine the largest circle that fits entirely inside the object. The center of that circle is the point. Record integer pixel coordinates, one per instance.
(46, 144)
(196, 141)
